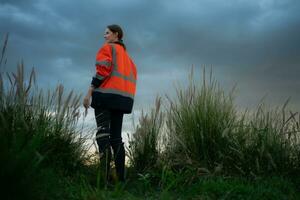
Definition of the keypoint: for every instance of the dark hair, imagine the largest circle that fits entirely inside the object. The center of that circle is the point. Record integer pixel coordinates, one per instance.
(117, 29)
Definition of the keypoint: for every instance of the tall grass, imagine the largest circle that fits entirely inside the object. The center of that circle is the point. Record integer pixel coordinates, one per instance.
(198, 121)
(204, 130)
(268, 142)
(144, 146)
(37, 133)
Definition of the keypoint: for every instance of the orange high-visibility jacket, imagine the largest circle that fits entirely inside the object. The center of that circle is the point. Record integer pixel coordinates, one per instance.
(116, 75)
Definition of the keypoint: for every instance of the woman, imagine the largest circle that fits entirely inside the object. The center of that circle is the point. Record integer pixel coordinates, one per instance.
(112, 90)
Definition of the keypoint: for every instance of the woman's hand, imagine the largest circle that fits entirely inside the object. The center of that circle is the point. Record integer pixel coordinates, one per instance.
(86, 101)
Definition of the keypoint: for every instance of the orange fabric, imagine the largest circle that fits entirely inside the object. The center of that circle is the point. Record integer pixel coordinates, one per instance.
(104, 54)
(121, 75)
(116, 82)
(103, 71)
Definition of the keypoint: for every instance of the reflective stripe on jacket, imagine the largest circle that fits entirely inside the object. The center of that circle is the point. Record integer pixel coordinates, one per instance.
(117, 76)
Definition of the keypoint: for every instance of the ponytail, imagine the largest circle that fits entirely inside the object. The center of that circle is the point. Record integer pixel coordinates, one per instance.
(120, 42)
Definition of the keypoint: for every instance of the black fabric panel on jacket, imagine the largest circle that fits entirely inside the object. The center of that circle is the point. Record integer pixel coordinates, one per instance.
(111, 102)
(96, 82)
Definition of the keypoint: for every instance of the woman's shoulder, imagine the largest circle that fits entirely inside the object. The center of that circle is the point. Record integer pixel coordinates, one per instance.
(106, 47)
(110, 46)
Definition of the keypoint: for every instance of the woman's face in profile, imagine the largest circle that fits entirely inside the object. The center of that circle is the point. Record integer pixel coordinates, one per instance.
(109, 36)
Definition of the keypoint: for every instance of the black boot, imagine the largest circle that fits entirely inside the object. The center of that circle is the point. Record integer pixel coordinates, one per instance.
(105, 159)
(119, 156)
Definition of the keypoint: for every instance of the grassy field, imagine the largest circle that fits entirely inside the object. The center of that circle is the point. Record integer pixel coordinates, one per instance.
(194, 146)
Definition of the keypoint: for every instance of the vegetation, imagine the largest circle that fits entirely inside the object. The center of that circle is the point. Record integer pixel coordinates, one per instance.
(194, 146)
(205, 129)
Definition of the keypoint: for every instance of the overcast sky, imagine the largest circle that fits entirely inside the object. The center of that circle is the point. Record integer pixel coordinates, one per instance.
(254, 44)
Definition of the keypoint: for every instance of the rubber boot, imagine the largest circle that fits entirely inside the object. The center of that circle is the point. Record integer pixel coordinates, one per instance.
(119, 157)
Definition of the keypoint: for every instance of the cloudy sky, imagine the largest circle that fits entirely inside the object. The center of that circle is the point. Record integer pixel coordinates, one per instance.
(253, 44)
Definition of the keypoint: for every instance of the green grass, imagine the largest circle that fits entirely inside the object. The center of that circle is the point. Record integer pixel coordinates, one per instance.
(179, 185)
(37, 136)
(144, 145)
(202, 128)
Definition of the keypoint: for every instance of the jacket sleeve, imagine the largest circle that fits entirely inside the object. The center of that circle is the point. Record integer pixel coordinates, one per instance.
(103, 65)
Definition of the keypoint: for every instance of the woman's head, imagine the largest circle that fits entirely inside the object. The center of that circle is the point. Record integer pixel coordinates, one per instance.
(114, 33)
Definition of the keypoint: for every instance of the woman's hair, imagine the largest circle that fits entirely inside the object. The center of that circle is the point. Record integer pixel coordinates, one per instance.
(117, 29)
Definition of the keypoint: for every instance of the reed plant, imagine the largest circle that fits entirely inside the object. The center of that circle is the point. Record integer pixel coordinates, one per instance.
(144, 147)
(267, 142)
(198, 122)
(203, 129)
(37, 133)
(206, 130)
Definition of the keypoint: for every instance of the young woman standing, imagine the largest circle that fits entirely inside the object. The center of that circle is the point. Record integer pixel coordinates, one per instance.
(112, 90)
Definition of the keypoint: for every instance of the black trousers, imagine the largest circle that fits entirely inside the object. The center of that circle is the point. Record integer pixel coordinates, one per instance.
(109, 135)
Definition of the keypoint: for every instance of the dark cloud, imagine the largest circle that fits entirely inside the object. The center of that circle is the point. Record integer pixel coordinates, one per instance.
(255, 44)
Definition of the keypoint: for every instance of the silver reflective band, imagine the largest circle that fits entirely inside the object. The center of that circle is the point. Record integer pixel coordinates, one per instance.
(102, 135)
(99, 77)
(115, 71)
(103, 63)
(114, 57)
(114, 91)
(127, 78)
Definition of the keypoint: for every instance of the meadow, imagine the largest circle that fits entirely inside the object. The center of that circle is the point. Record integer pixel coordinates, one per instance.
(196, 145)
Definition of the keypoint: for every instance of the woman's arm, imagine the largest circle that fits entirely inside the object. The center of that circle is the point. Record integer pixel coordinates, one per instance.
(86, 100)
